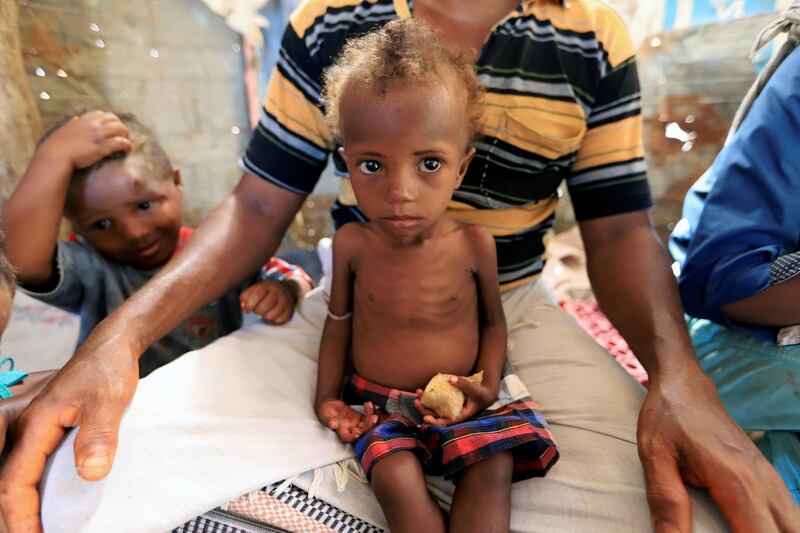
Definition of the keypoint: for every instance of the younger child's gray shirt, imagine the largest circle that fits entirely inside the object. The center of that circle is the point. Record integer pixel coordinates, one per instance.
(92, 286)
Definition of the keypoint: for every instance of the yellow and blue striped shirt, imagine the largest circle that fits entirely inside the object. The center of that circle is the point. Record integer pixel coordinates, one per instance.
(562, 103)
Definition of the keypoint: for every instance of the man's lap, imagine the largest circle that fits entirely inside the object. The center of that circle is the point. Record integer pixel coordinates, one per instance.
(591, 403)
(592, 406)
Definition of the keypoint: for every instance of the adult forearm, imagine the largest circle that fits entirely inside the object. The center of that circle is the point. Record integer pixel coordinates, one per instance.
(635, 287)
(779, 305)
(32, 216)
(238, 237)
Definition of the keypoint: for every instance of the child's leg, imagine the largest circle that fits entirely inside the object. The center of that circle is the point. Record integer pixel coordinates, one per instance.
(399, 485)
(482, 500)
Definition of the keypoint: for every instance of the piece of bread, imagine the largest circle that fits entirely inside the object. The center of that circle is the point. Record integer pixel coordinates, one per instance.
(445, 399)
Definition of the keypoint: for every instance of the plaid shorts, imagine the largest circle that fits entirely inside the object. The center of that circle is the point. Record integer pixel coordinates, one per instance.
(511, 423)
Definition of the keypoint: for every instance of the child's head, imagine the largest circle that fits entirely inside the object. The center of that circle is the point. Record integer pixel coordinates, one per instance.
(7, 285)
(127, 205)
(405, 106)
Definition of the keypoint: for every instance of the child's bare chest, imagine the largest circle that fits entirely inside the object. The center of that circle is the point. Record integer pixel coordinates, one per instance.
(415, 287)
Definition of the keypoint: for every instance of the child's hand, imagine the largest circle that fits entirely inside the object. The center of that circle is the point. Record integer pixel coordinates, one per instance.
(270, 299)
(86, 139)
(477, 398)
(348, 423)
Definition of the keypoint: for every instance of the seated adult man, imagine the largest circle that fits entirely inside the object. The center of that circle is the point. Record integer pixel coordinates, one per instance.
(562, 104)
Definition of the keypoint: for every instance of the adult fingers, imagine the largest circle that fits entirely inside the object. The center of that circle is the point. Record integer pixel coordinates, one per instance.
(38, 433)
(784, 509)
(96, 441)
(739, 494)
(3, 431)
(667, 497)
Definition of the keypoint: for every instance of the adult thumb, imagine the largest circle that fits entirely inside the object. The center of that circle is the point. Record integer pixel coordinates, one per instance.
(670, 508)
(96, 442)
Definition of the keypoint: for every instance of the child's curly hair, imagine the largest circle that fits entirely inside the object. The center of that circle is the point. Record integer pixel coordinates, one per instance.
(402, 50)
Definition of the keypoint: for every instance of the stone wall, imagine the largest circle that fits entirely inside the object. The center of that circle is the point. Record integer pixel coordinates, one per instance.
(172, 62)
(19, 119)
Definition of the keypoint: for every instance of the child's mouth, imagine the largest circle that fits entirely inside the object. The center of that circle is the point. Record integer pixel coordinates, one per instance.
(149, 250)
(402, 222)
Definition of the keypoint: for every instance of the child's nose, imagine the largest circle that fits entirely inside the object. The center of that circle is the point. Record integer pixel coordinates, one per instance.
(401, 189)
(135, 230)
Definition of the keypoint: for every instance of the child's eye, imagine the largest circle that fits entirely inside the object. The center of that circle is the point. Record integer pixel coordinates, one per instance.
(144, 205)
(101, 224)
(430, 164)
(369, 167)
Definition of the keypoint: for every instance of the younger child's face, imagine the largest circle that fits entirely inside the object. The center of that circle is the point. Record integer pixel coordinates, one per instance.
(128, 216)
(406, 151)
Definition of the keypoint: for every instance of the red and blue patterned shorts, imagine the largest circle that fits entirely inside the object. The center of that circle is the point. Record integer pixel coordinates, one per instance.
(511, 423)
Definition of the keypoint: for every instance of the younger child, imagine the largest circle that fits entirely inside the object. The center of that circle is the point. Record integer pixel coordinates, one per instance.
(415, 293)
(112, 179)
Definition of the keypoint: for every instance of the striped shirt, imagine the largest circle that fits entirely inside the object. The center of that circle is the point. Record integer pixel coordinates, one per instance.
(562, 103)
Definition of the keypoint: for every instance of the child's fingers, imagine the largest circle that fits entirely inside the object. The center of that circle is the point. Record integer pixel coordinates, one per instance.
(470, 389)
(276, 312)
(114, 129)
(115, 144)
(424, 411)
(249, 298)
(284, 317)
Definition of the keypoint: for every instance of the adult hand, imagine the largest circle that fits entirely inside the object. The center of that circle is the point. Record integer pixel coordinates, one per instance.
(270, 300)
(348, 423)
(477, 397)
(91, 391)
(86, 139)
(685, 433)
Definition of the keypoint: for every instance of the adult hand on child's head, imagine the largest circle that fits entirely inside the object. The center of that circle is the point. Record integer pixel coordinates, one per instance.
(91, 391)
(348, 423)
(86, 139)
(685, 434)
(477, 397)
(270, 300)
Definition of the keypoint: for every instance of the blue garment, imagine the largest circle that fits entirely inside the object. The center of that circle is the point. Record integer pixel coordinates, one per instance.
(759, 383)
(744, 212)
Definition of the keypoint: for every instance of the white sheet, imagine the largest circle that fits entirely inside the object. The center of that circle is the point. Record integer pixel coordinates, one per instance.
(201, 431)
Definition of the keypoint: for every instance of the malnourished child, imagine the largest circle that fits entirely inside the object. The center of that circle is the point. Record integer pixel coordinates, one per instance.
(415, 294)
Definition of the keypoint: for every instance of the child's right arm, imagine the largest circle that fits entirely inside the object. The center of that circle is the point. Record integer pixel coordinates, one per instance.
(335, 346)
(32, 215)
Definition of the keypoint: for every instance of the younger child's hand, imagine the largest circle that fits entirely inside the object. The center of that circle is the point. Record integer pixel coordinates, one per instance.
(269, 299)
(86, 139)
(477, 398)
(348, 423)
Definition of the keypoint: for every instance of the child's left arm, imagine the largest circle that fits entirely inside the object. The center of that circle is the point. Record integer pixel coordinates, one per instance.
(275, 297)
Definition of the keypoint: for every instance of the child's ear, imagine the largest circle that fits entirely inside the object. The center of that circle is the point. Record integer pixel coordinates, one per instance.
(176, 178)
(342, 153)
(462, 170)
